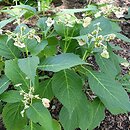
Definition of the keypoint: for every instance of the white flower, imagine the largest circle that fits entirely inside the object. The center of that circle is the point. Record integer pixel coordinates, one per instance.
(98, 14)
(46, 102)
(125, 64)
(17, 85)
(22, 113)
(26, 107)
(105, 54)
(81, 42)
(50, 22)
(19, 44)
(37, 38)
(119, 14)
(110, 37)
(1, 31)
(86, 21)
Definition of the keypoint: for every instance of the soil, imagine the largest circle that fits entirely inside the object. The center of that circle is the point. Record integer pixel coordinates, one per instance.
(111, 122)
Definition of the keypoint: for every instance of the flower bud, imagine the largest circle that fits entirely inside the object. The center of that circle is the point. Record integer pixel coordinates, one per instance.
(46, 102)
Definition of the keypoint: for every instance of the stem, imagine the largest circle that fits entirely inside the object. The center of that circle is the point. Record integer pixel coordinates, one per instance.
(31, 124)
(85, 55)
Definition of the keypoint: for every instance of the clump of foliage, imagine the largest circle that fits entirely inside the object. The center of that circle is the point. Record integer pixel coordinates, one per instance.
(61, 44)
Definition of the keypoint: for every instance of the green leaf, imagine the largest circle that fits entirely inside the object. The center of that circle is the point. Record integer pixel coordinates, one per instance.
(33, 126)
(7, 49)
(12, 118)
(122, 37)
(4, 83)
(39, 47)
(56, 125)
(68, 121)
(39, 114)
(98, 114)
(34, 47)
(45, 89)
(26, 7)
(67, 87)
(42, 23)
(28, 66)
(60, 62)
(107, 66)
(105, 25)
(5, 22)
(13, 72)
(11, 96)
(110, 92)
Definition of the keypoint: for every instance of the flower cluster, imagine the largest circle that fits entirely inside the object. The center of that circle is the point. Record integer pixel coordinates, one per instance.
(111, 8)
(20, 37)
(28, 98)
(98, 40)
(69, 20)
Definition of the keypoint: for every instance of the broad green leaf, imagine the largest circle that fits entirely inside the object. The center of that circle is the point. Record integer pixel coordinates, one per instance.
(105, 25)
(13, 72)
(85, 113)
(11, 96)
(98, 114)
(39, 47)
(12, 117)
(34, 47)
(56, 125)
(4, 83)
(85, 116)
(39, 114)
(6, 21)
(28, 66)
(42, 23)
(60, 62)
(67, 87)
(110, 92)
(107, 66)
(69, 121)
(45, 89)
(114, 59)
(7, 49)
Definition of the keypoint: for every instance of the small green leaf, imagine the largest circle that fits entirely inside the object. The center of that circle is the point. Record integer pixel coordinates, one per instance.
(13, 72)
(29, 66)
(4, 83)
(5, 22)
(60, 62)
(11, 96)
(7, 49)
(12, 117)
(67, 87)
(26, 7)
(39, 114)
(123, 37)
